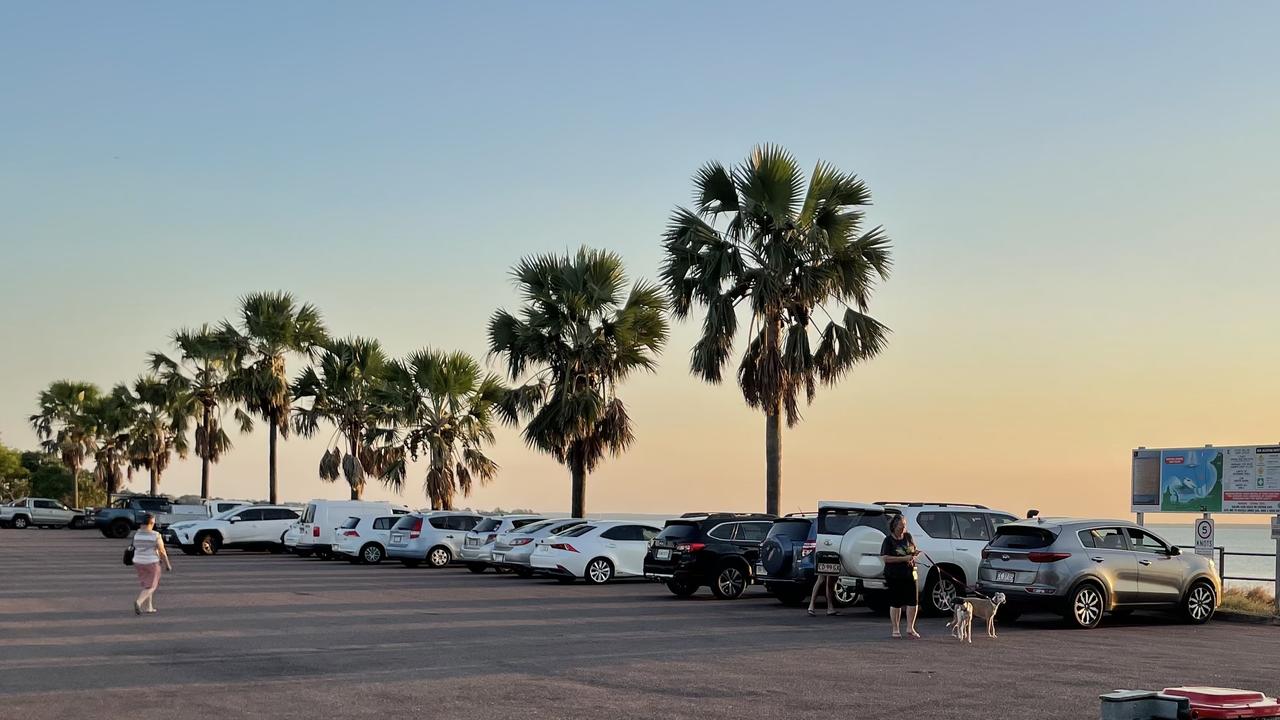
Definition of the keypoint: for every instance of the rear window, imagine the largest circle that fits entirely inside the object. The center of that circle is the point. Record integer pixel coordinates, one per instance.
(309, 515)
(487, 525)
(1022, 538)
(406, 522)
(350, 524)
(791, 529)
(580, 530)
(523, 522)
(533, 527)
(679, 531)
(839, 522)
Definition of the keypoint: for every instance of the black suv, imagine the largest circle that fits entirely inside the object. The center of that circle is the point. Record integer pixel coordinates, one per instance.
(786, 565)
(719, 550)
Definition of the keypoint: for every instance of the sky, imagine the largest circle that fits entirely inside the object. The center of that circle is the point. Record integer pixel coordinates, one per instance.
(1081, 200)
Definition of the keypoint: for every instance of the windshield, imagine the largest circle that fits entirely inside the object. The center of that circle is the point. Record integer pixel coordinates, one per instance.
(578, 531)
(487, 525)
(1021, 537)
(533, 528)
(679, 531)
(406, 522)
(351, 523)
(791, 529)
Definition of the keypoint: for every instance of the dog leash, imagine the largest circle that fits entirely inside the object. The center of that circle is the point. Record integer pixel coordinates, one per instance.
(967, 588)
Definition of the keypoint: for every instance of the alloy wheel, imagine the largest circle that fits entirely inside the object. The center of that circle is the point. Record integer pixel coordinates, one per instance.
(731, 582)
(845, 595)
(599, 571)
(1087, 606)
(943, 595)
(372, 554)
(439, 557)
(1200, 603)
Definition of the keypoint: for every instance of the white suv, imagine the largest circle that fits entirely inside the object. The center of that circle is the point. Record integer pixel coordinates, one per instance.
(255, 526)
(432, 537)
(950, 536)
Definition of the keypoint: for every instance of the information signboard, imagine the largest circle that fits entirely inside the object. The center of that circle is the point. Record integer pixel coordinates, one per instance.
(1236, 479)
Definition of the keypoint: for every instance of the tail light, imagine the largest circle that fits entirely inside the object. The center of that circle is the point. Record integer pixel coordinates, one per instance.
(807, 549)
(564, 546)
(1047, 557)
(491, 538)
(416, 529)
(986, 554)
(350, 533)
(521, 541)
(690, 547)
(315, 531)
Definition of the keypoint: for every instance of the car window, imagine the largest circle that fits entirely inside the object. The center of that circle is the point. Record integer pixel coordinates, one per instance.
(1144, 542)
(621, 532)
(350, 524)
(723, 531)
(487, 525)
(533, 527)
(409, 521)
(309, 515)
(834, 521)
(223, 507)
(384, 523)
(998, 520)
(1103, 539)
(251, 515)
(679, 531)
(648, 533)
(1021, 537)
(753, 531)
(153, 505)
(578, 531)
(465, 522)
(792, 529)
(972, 526)
(46, 504)
(523, 522)
(938, 525)
(567, 527)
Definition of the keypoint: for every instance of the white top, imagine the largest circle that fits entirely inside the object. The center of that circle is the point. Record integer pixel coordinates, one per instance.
(145, 543)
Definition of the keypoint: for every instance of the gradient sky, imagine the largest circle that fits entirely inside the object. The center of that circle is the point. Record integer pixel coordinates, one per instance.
(1081, 197)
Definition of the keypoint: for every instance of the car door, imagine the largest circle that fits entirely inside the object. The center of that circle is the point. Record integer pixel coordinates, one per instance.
(1108, 550)
(627, 545)
(245, 526)
(276, 523)
(1160, 574)
(749, 536)
(42, 512)
(936, 534)
(973, 532)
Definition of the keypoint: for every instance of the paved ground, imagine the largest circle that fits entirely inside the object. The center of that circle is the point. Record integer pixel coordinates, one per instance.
(248, 635)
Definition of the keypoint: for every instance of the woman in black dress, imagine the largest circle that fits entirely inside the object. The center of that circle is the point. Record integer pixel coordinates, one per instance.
(899, 554)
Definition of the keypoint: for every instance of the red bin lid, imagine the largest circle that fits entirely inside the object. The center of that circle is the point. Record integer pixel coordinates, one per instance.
(1213, 702)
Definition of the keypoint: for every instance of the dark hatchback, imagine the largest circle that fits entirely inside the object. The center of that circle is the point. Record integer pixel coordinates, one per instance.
(719, 550)
(786, 564)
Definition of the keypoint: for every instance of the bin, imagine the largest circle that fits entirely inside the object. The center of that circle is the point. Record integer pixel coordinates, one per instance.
(1210, 703)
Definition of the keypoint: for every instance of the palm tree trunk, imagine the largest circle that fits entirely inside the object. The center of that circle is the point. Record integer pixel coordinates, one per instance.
(579, 491)
(772, 459)
(355, 489)
(204, 458)
(75, 486)
(271, 462)
(155, 479)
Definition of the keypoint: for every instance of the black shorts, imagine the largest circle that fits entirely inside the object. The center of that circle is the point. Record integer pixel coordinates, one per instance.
(902, 592)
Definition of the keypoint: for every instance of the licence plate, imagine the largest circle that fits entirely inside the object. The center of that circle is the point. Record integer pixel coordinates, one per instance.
(1003, 576)
(760, 570)
(829, 568)
(472, 542)
(497, 557)
(661, 554)
(397, 537)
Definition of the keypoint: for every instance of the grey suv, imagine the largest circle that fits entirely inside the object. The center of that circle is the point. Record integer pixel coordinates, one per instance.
(1084, 568)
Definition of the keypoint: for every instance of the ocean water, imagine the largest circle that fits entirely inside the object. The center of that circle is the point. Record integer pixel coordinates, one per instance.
(1234, 538)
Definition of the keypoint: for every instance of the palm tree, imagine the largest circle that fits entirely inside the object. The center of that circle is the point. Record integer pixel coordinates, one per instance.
(113, 418)
(579, 334)
(447, 407)
(202, 368)
(65, 427)
(758, 236)
(272, 325)
(161, 413)
(341, 389)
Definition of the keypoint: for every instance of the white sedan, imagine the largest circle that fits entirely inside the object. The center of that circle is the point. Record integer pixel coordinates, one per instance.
(596, 552)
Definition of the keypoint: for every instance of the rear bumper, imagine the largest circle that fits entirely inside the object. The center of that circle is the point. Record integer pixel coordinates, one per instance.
(1026, 597)
(318, 547)
(484, 553)
(406, 552)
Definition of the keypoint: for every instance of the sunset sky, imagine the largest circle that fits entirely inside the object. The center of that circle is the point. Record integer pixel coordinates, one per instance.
(1082, 201)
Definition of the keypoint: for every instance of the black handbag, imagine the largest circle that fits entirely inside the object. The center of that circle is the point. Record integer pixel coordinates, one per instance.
(128, 555)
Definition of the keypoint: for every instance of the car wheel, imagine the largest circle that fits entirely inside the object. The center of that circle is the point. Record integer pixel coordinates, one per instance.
(120, 529)
(1086, 606)
(21, 523)
(208, 543)
(941, 593)
(477, 568)
(439, 556)
(729, 583)
(681, 588)
(1197, 606)
(598, 572)
(410, 563)
(845, 596)
(371, 554)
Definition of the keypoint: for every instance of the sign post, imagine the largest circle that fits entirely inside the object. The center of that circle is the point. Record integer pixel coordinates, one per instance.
(1204, 537)
(1275, 535)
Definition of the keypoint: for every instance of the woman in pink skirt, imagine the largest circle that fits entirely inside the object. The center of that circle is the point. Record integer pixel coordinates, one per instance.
(148, 552)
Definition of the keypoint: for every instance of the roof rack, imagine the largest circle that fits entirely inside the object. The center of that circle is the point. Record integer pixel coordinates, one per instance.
(932, 504)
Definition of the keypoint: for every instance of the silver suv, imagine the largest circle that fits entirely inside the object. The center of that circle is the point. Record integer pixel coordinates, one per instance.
(1085, 568)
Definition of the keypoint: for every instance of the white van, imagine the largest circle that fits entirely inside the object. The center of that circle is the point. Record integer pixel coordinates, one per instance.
(322, 517)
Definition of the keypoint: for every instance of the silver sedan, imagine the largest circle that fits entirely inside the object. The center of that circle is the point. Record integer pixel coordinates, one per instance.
(512, 550)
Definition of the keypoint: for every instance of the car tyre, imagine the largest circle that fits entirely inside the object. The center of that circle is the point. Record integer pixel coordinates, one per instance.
(940, 593)
(730, 582)
(120, 529)
(208, 543)
(20, 522)
(681, 588)
(371, 554)
(1085, 606)
(599, 571)
(845, 596)
(439, 556)
(1198, 605)
(477, 568)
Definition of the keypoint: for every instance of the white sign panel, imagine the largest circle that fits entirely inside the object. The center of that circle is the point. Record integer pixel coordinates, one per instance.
(1275, 530)
(1204, 537)
(1237, 479)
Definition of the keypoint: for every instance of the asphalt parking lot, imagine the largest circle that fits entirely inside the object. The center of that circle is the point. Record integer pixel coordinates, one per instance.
(251, 635)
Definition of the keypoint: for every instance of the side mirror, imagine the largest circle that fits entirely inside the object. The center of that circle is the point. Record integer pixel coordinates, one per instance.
(1175, 551)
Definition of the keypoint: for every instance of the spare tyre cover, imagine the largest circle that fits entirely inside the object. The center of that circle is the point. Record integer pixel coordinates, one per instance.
(860, 552)
(776, 560)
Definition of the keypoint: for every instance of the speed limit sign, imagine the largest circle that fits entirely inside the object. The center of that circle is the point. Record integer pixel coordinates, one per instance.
(1204, 537)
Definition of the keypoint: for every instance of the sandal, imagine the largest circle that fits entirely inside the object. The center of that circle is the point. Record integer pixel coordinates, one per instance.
(913, 633)
(137, 609)
(812, 613)
(896, 634)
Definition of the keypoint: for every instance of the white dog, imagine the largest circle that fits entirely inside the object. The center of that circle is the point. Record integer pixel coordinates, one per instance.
(962, 620)
(986, 608)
